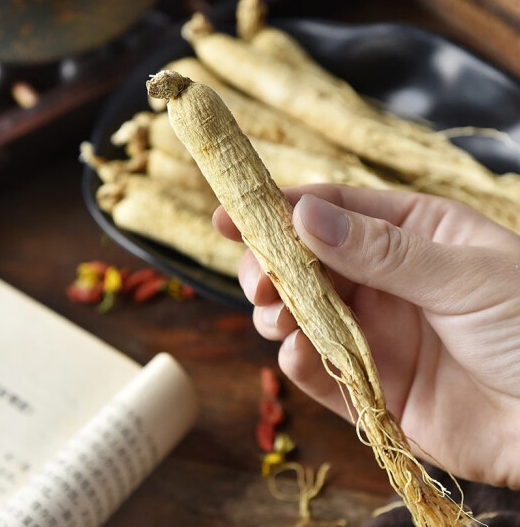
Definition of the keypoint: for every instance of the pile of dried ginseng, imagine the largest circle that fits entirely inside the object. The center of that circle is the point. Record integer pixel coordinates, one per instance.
(306, 124)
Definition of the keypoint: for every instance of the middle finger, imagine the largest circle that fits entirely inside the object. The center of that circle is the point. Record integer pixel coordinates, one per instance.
(274, 321)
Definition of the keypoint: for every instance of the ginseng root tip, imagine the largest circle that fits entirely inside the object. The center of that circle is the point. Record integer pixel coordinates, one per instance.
(166, 85)
(198, 26)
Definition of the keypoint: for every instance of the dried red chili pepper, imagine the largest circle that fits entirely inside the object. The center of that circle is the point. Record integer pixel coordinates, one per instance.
(269, 382)
(271, 411)
(147, 290)
(99, 282)
(265, 433)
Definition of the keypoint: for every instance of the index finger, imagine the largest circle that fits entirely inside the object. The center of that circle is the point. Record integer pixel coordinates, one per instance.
(418, 213)
(389, 205)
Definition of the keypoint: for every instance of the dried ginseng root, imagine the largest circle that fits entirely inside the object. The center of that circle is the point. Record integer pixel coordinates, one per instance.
(254, 118)
(281, 46)
(264, 217)
(252, 27)
(173, 222)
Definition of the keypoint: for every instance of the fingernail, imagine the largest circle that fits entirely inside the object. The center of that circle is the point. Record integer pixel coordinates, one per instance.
(271, 314)
(249, 283)
(323, 220)
(289, 344)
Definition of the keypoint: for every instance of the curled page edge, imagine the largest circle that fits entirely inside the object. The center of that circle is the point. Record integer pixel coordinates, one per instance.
(87, 480)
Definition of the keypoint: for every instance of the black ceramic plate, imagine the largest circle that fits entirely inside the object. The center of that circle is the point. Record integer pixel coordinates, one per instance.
(412, 72)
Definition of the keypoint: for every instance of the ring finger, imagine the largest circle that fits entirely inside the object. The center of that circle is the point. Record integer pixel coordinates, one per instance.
(274, 321)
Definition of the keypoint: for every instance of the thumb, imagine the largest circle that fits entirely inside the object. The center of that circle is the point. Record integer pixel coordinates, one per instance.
(378, 254)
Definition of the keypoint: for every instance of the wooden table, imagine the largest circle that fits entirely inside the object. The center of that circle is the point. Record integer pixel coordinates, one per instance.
(213, 477)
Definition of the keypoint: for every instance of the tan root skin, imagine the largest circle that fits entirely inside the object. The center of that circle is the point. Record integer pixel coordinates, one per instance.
(264, 217)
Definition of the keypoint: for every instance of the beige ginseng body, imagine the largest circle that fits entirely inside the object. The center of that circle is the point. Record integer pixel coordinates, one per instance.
(264, 217)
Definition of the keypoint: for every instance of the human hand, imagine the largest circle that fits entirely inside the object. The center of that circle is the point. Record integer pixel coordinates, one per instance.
(434, 286)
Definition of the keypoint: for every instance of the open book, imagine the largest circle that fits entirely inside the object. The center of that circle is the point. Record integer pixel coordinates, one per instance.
(81, 425)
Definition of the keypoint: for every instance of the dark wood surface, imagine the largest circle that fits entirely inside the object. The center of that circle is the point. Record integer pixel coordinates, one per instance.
(497, 20)
(213, 477)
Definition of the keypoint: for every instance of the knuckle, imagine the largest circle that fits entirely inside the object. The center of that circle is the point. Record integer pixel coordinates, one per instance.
(390, 248)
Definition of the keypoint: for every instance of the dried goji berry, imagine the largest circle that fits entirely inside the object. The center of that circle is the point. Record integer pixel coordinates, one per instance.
(93, 266)
(265, 433)
(125, 273)
(135, 279)
(179, 291)
(270, 383)
(271, 411)
(85, 295)
(147, 290)
(187, 292)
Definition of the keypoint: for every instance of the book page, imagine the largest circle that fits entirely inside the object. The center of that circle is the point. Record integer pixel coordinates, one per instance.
(54, 377)
(96, 471)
